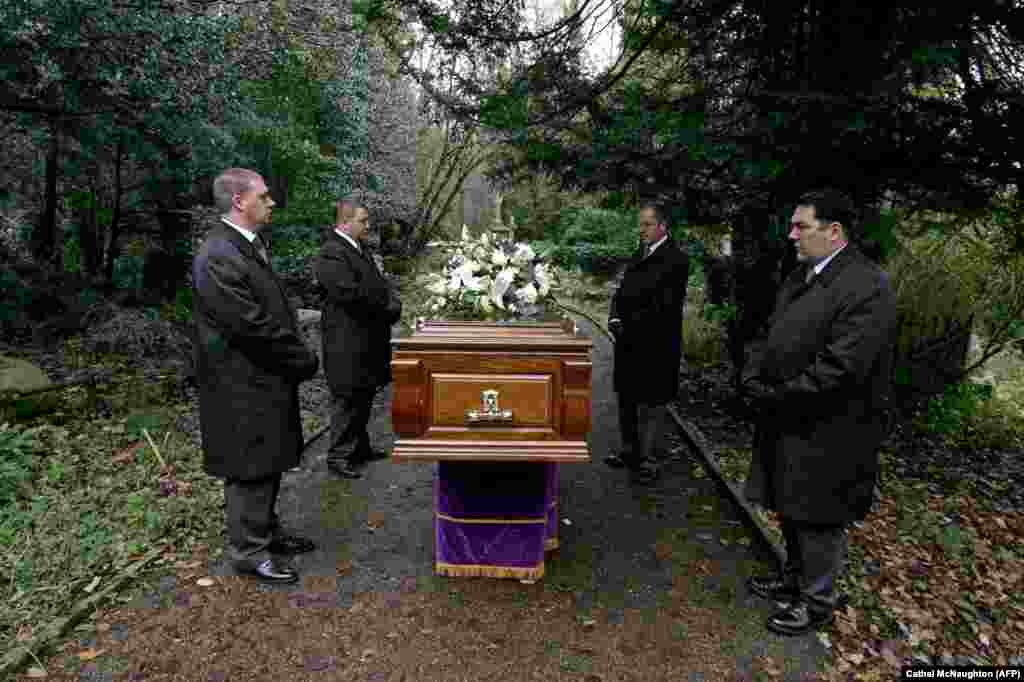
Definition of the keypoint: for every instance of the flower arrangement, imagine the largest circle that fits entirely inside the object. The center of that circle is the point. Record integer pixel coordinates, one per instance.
(491, 278)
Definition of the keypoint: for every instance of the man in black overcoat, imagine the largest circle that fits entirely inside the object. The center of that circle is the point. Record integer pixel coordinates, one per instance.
(819, 382)
(360, 307)
(646, 319)
(250, 358)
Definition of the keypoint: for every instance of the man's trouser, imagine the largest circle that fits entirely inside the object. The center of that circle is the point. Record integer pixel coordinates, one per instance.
(350, 414)
(642, 426)
(250, 519)
(814, 558)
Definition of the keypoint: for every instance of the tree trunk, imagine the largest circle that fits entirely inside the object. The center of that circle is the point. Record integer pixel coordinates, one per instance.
(88, 237)
(110, 250)
(44, 238)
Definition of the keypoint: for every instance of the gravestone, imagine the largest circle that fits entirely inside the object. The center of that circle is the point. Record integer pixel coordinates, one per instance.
(20, 375)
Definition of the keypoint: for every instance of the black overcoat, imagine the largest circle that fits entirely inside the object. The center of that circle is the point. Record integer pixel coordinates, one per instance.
(649, 302)
(360, 306)
(250, 358)
(829, 356)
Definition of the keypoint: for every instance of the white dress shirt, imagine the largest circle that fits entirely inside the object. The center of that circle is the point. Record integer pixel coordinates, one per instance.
(248, 234)
(825, 261)
(349, 239)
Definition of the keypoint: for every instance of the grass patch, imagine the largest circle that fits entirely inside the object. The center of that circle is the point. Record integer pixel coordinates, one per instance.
(91, 496)
(572, 570)
(341, 510)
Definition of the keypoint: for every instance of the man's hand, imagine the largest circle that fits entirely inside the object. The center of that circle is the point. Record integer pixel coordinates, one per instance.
(760, 397)
(615, 327)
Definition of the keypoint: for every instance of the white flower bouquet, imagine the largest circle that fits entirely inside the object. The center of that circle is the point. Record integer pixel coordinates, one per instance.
(490, 278)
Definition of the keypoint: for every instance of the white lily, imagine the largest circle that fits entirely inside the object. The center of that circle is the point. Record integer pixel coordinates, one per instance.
(499, 258)
(462, 276)
(543, 277)
(502, 281)
(465, 232)
(523, 254)
(438, 286)
(527, 294)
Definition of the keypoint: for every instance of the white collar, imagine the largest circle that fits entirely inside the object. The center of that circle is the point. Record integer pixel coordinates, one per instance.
(248, 234)
(348, 239)
(656, 245)
(821, 266)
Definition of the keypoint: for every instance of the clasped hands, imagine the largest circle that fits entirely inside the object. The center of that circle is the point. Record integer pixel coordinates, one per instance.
(758, 395)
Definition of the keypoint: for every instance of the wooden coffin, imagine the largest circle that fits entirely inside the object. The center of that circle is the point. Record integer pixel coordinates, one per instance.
(491, 392)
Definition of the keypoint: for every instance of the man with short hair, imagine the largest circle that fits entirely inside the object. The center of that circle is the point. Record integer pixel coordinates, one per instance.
(819, 383)
(646, 319)
(359, 310)
(250, 358)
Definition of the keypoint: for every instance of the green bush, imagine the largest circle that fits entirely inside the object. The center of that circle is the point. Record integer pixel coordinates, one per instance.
(294, 247)
(593, 240)
(703, 341)
(968, 415)
(128, 273)
(72, 254)
(17, 447)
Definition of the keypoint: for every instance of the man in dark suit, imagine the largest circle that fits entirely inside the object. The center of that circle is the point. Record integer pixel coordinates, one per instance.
(250, 358)
(819, 384)
(360, 308)
(646, 319)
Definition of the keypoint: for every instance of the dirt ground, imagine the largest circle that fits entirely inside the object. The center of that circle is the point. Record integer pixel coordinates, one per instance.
(648, 585)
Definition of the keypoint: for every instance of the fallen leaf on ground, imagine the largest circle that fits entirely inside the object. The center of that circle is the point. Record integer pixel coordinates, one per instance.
(374, 520)
(36, 673)
(127, 454)
(205, 582)
(90, 654)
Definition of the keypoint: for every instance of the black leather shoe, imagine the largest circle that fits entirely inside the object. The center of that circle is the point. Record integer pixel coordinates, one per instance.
(645, 475)
(271, 572)
(773, 586)
(617, 461)
(291, 544)
(372, 455)
(344, 469)
(798, 619)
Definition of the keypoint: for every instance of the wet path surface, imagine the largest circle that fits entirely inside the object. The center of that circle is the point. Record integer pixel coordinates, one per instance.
(621, 548)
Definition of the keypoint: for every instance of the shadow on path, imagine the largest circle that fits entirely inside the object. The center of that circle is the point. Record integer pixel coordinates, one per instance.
(623, 546)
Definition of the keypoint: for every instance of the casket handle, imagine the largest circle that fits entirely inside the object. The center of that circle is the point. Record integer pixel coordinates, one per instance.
(478, 417)
(489, 413)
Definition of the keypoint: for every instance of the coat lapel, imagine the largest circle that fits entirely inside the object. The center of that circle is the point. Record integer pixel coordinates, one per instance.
(249, 249)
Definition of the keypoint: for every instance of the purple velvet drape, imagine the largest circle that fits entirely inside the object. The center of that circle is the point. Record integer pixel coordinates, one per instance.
(495, 519)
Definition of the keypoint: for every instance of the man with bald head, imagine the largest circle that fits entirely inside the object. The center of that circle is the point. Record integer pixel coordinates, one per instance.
(360, 307)
(250, 358)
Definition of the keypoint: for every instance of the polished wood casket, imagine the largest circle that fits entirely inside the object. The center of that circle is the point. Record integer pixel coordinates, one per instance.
(490, 391)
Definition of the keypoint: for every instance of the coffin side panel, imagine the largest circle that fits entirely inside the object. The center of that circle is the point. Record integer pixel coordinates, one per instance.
(576, 400)
(408, 398)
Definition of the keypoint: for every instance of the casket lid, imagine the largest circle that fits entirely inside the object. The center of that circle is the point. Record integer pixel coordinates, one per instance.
(473, 335)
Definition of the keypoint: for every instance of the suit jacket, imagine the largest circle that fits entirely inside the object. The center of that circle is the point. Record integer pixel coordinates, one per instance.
(829, 357)
(649, 302)
(250, 358)
(360, 307)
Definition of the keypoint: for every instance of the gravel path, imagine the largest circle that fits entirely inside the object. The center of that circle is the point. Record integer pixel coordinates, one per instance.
(376, 533)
